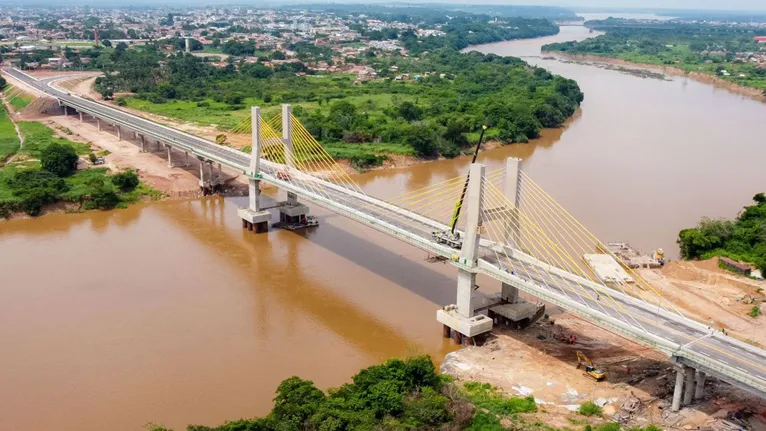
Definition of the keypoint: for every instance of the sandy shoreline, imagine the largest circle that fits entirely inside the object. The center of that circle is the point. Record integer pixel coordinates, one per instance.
(670, 70)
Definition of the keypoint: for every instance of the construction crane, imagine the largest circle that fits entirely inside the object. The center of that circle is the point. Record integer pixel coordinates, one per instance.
(450, 237)
(590, 369)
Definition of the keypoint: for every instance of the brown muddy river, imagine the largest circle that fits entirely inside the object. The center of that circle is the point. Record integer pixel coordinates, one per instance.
(170, 313)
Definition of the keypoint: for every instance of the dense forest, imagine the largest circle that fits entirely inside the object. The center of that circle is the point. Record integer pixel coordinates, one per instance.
(743, 238)
(729, 52)
(448, 96)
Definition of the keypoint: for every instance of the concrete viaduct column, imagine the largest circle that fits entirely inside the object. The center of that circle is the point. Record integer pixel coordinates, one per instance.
(170, 156)
(678, 390)
(66, 110)
(186, 159)
(143, 143)
(512, 234)
(688, 385)
(98, 124)
(119, 132)
(80, 113)
(700, 388)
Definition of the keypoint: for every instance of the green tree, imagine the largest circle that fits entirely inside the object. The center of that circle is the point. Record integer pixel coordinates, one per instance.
(3, 83)
(126, 181)
(36, 188)
(59, 159)
(296, 401)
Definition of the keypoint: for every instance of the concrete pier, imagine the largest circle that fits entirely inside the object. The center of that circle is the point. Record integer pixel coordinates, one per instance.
(80, 113)
(461, 317)
(699, 389)
(119, 132)
(98, 124)
(253, 217)
(678, 391)
(186, 159)
(688, 385)
(143, 143)
(170, 156)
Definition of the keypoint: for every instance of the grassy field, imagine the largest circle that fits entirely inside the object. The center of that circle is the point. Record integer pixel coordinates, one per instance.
(38, 136)
(18, 99)
(9, 141)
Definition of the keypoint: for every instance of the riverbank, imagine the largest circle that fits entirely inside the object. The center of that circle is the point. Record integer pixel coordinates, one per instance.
(704, 78)
(27, 190)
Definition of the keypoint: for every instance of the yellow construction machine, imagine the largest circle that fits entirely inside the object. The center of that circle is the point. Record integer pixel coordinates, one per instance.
(590, 369)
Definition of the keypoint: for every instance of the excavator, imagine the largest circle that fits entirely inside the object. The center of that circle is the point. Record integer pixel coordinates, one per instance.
(590, 369)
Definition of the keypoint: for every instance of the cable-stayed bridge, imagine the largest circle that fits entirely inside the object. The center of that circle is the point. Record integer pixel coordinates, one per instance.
(507, 228)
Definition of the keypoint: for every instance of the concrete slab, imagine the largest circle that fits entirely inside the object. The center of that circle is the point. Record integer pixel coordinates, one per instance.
(516, 312)
(607, 268)
(469, 327)
(293, 210)
(254, 216)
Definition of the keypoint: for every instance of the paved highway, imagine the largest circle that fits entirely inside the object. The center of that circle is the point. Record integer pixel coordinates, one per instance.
(695, 343)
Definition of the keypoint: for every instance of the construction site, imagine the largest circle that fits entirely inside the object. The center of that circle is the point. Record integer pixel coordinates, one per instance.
(637, 385)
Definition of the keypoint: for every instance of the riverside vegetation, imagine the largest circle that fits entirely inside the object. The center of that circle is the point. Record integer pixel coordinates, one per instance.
(743, 238)
(396, 395)
(436, 110)
(725, 51)
(44, 172)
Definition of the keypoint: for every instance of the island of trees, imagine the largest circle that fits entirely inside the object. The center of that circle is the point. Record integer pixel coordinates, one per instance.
(727, 51)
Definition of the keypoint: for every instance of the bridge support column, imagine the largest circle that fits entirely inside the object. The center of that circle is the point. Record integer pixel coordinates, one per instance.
(135, 135)
(679, 388)
(253, 218)
(688, 385)
(80, 113)
(119, 132)
(143, 143)
(170, 156)
(98, 124)
(186, 159)
(66, 110)
(699, 389)
(461, 318)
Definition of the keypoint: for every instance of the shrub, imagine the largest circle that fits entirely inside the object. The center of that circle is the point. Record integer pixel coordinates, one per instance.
(36, 188)
(590, 409)
(121, 101)
(92, 157)
(125, 181)
(59, 159)
(754, 312)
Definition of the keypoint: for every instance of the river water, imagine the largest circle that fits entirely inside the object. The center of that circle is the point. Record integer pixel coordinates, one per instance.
(170, 313)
